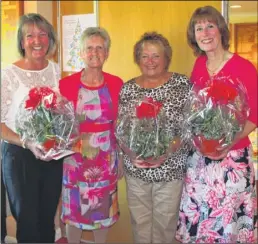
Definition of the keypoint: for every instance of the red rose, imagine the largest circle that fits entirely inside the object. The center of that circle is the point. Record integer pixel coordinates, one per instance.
(148, 109)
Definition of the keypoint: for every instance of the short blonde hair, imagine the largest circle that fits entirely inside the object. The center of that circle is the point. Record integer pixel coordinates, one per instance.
(95, 31)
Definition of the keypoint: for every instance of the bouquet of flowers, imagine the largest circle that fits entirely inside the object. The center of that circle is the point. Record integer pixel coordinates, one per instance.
(143, 130)
(215, 113)
(49, 119)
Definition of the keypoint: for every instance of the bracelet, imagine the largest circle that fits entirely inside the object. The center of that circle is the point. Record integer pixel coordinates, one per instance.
(120, 153)
(23, 143)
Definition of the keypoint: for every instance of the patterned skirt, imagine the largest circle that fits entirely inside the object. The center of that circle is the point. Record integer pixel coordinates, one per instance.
(218, 200)
(89, 196)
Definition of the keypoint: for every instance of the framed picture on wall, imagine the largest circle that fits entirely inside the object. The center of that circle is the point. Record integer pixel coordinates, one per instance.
(72, 28)
(74, 18)
(246, 41)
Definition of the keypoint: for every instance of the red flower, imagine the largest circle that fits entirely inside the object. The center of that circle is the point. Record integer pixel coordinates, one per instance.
(148, 108)
(222, 92)
(49, 101)
(41, 95)
(34, 94)
(31, 103)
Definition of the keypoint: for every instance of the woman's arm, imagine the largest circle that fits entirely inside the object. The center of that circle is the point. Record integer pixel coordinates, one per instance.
(249, 127)
(13, 138)
(10, 136)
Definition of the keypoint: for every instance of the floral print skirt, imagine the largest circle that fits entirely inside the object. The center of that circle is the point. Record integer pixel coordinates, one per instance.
(218, 200)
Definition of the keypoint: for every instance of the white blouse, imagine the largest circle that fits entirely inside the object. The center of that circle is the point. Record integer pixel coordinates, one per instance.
(16, 84)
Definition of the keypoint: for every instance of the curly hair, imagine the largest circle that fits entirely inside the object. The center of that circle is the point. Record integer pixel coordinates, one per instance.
(154, 38)
(210, 14)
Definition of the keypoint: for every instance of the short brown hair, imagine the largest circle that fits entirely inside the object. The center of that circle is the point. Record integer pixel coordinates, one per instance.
(211, 14)
(40, 22)
(154, 38)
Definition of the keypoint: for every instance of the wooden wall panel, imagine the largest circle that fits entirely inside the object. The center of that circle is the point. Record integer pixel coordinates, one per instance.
(246, 39)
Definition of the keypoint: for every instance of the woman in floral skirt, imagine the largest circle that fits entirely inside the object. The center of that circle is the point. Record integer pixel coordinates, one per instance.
(218, 199)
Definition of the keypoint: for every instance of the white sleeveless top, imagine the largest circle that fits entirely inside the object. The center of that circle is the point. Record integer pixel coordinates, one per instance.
(16, 84)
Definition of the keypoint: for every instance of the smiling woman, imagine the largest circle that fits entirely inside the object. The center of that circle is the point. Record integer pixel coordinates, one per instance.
(28, 178)
(218, 199)
(90, 176)
(153, 207)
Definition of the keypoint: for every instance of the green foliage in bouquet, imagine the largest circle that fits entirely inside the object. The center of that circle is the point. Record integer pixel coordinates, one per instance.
(215, 124)
(145, 139)
(40, 121)
(144, 130)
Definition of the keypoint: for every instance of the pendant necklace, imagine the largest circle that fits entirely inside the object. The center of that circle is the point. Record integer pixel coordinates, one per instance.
(218, 68)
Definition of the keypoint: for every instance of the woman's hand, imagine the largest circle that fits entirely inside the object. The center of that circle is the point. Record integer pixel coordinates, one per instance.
(127, 151)
(120, 169)
(37, 150)
(76, 145)
(175, 145)
(152, 163)
(222, 151)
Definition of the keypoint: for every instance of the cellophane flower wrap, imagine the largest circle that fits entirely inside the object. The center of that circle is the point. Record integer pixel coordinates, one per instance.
(143, 130)
(215, 113)
(49, 119)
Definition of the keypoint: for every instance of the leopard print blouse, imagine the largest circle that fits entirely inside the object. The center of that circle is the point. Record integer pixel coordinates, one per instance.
(173, 94)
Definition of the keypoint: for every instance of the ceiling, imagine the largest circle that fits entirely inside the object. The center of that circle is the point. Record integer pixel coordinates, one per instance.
(248, 8)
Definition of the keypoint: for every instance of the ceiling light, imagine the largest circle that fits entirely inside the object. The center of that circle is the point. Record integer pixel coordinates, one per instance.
(235, 6)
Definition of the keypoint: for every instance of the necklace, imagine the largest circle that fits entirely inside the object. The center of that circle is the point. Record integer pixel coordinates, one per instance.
(218, 67)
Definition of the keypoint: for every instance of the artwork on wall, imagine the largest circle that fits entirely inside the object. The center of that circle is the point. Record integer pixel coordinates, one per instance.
(72, 28)
(72, 19)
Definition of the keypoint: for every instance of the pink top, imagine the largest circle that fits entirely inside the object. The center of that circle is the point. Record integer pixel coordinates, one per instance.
(236, 67)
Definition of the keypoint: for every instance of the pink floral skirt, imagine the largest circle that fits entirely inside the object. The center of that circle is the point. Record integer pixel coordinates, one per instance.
(218, 200)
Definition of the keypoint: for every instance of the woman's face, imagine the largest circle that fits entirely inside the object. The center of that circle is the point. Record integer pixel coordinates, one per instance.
(35, 42)
(95, 53)
(152, 60)
(207, 36)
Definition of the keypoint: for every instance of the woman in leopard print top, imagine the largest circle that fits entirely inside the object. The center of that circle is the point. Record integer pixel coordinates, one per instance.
(154, 193)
